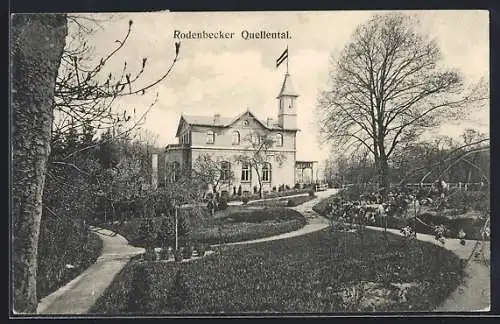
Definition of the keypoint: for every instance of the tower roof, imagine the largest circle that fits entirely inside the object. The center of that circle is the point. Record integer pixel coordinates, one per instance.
(287, 88)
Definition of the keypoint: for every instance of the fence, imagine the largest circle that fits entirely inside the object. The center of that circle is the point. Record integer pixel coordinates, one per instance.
(462, 186)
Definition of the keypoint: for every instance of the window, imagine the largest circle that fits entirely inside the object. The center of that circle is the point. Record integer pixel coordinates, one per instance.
(266, 173)
(225, 174)
(210, 137)
(279, 139)
(245, 172)
(255, 138)
(236, 138)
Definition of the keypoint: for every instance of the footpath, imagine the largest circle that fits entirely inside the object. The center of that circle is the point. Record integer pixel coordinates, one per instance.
(474, 292)
(80, 294)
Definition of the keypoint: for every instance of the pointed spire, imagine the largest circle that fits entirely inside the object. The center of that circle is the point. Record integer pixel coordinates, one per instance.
(287, 88)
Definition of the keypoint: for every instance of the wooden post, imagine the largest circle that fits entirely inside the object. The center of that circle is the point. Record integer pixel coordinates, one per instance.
(176, 228)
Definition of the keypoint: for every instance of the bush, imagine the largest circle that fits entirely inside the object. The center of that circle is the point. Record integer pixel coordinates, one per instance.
(166, 253)
(311, 193)
(200, 249)
(178, 254)
(244, 200)
(222, 203)
(239, 190)
(187, 252)
(469, 200)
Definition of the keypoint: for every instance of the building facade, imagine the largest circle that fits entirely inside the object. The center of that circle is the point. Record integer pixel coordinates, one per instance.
(229, 140)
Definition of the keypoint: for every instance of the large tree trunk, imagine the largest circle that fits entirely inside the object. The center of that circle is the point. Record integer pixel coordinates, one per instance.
(37, 43)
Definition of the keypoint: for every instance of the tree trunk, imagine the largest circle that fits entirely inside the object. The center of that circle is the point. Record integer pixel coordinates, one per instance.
(37, 43)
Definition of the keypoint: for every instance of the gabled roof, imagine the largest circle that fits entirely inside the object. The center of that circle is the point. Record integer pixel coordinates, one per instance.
(287, 88)
(222, 121)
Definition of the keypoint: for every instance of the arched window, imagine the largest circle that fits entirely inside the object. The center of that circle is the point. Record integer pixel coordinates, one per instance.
(279, 139)
(225, 174)
(236, 138)
(245, 172)
(210, 137)
(266, 172)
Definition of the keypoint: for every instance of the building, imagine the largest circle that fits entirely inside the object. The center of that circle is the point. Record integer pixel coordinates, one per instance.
(227, 139)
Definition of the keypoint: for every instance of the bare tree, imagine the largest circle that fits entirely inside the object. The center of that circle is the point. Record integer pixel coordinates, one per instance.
(257, 153)
(212, 170)
(387, 88)
(37, 44)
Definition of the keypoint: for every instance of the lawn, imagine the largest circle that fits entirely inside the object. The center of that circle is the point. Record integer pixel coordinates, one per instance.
(236, 223)
(315, 273)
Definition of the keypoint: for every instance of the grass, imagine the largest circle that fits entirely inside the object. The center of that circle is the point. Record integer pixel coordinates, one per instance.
(236, 223)
(304, 274)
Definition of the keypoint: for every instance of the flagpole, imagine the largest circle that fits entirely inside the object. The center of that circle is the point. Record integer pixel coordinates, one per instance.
(287, 59)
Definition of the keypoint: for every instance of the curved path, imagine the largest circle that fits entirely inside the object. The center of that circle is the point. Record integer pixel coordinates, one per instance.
(474, 293)
(315, 222)
(80, 294)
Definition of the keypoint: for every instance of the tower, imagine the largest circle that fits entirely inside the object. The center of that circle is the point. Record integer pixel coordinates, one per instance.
(287, 109)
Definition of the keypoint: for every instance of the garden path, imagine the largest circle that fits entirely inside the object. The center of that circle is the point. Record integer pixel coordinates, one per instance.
(474, 293)
(80, 294)
(315, 222)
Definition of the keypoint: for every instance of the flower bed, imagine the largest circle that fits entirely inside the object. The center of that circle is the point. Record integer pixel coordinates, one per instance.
(313, 273)
(283, 202)
(232, 225)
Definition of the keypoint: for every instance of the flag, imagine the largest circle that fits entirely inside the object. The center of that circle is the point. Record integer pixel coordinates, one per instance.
(282, 58)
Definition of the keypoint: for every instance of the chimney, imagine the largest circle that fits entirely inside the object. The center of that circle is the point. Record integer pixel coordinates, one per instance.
(270, 122)
(217, 119)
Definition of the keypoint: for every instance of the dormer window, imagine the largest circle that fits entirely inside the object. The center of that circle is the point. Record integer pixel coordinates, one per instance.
(210, 137)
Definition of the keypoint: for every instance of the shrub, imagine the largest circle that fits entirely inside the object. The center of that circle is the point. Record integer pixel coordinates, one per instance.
(311, 193)
(255, 189)
(244, 200)
(297, 186)
(201, 249)
(287, 187)
(234, 191)
(274, 188)
(222, 203)
(178, 255)
(166, 253)
(239, 190)
(187, 252)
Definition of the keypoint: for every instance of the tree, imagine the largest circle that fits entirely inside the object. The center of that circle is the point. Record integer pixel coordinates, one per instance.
(37, 45)
(53, 101)
(212, 170)
(257, 152)
(387, 88)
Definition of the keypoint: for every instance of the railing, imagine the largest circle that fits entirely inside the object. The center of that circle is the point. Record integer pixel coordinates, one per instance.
(454, 185)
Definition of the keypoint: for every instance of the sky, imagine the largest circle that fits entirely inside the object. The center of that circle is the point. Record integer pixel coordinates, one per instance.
(228, 76)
